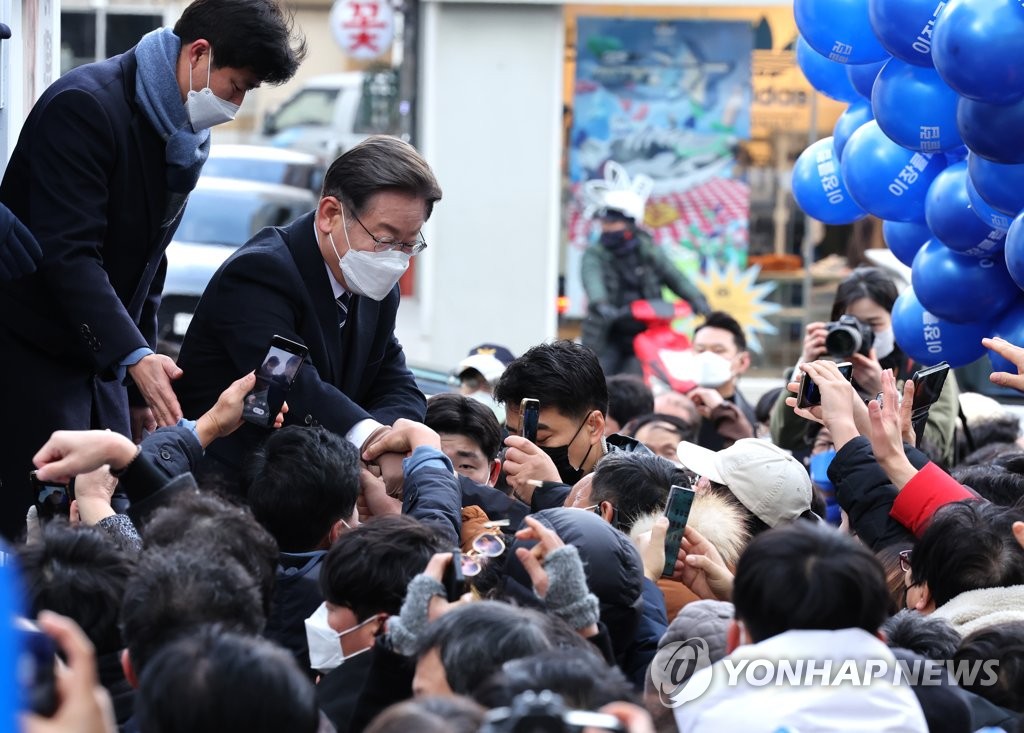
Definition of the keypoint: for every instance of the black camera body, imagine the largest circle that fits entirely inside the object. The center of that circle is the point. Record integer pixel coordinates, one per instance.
(545, 712)
(848, 336)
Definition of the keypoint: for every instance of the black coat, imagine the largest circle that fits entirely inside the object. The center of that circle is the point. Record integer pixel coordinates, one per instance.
(87, 177)
(278, 284)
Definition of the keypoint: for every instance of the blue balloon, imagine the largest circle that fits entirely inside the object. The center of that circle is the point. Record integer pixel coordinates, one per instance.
(929, 339)
(961, 289)
(839, 30)
(862, 76)
(1009, 326)
(905, 238)
(885, 179)
(828, 77)
(947, 209)
(992, 131)
(819, 189)
(1000, 185)
(857, 114)
(957, 154)
(977, 49)
(915, 108)
(1014, 254)
(905, 27)
(983, 211)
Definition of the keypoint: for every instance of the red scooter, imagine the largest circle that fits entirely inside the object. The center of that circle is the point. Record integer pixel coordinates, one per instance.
(665, 355)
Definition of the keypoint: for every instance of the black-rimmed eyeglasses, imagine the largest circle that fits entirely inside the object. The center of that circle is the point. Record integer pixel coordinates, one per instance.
(388, 244)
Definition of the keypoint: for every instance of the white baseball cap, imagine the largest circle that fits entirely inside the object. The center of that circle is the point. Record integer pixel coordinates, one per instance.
(767, 480)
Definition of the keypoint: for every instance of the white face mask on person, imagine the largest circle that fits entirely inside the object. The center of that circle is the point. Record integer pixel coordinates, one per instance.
(325, 650)
(711, 370)
(371, 274)
(205, 109)
(885, 343)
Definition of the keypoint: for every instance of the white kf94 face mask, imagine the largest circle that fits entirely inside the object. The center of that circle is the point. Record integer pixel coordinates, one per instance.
(325, 650)
(205, 109)
(370, 274)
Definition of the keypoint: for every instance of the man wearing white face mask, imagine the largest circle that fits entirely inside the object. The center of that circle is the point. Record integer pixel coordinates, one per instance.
(100, 175)
(721, 348)
(329, 281)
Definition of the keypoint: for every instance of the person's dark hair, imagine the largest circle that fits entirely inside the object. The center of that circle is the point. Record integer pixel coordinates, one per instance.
(563, 375)
(258, 35)
(636, 484)
(808, 576)
(475, 640)
(1003, 642)
(1001, 481)
(967, 546)
(461, 415)
(173, 591)
(450, 714)
(930, 636)
(889, 557)
(996, 429)
(80, 573)
(580, 676)
(986, 454)
(765, 405)
(628, 397)
(864, 282)
(722, 320)
(214, 680)
(369, 568)
(683, 429)
(205, 522)
(300, 482)
(380, 163)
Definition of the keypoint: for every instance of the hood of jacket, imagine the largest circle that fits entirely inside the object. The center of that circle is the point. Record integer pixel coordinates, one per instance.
(979, 609)
(612, 564)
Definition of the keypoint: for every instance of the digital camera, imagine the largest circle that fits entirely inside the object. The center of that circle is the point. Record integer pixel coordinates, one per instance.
(848, 336)
(545, 712)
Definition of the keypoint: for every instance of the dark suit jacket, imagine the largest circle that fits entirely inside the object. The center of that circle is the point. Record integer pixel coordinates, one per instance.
(277, 284)
(87, 177)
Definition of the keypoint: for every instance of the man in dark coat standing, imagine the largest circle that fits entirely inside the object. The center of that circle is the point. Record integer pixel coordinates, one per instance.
(328, 280)
(100, 176)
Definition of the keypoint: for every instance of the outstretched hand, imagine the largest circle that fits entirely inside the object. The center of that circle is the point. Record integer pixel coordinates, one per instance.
(533, 559)
(1013, 354)
(887, 430)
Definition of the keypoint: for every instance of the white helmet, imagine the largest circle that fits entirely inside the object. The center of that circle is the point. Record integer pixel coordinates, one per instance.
(617, 192)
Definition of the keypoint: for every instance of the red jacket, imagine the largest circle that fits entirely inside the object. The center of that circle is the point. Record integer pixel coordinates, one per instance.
(929, 489)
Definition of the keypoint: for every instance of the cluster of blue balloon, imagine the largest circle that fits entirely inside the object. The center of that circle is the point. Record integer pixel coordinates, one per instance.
(931, 143)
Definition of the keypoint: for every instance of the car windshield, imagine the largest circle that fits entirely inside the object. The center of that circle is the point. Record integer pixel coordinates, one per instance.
(308, 107)
(265, 171)
(230, 218)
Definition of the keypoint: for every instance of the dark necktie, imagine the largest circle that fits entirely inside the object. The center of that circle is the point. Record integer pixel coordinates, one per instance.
(343, 309)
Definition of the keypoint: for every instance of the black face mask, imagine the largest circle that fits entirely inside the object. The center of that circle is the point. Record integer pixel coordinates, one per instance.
(620, 241)
(559, 455)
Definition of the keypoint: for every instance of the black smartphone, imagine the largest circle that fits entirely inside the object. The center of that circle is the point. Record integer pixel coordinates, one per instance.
(529, 416)
(810, 395)
(927, 388)
(274, 378)
(680, 500)
(52, 499)
(36, 668)
(454, 581)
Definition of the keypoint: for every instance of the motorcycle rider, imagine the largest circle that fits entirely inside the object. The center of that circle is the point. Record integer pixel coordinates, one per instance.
(622, 266)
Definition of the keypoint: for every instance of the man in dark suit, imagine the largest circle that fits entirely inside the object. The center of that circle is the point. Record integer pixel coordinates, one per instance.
(329, 281)
(100, 176)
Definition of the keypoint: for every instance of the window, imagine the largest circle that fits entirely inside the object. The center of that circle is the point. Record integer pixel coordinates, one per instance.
(95, 34)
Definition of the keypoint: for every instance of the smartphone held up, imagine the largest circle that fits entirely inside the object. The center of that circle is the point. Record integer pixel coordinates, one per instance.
(274, 378)
(677, 509)
(809, 394)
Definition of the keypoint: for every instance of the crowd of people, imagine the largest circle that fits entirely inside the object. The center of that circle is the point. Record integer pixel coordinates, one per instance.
(372, 559)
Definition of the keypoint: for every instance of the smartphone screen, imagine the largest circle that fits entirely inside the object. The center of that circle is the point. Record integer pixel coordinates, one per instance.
(680, 500)
(928, 385)
(529, 416)
(810, 395)
(36, 669)
(52, 499)
(274, 377)
(454, 581)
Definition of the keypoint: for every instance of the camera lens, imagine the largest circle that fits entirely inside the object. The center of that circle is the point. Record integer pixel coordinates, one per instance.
(843, 341)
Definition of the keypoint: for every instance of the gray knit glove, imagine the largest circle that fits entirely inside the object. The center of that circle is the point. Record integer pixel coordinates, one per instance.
(404, 630)
(568, 596)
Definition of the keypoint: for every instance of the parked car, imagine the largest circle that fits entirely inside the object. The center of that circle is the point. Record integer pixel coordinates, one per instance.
(222, 214)
(267, 164)
(333, 112)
